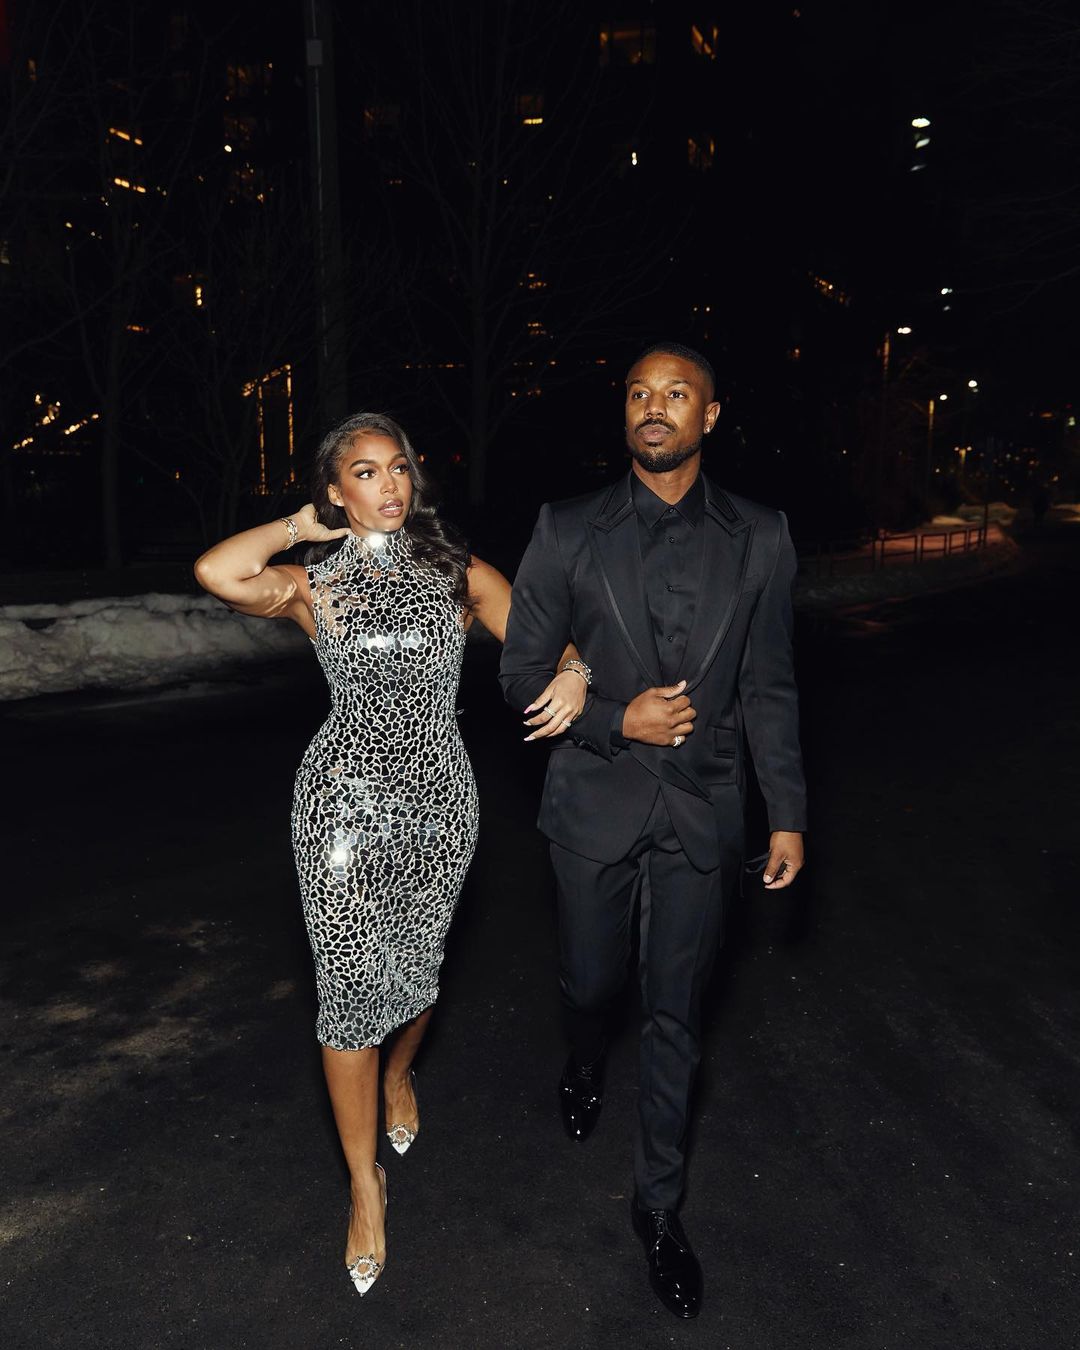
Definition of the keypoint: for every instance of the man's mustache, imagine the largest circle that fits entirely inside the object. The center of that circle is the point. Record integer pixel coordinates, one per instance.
(655, 422)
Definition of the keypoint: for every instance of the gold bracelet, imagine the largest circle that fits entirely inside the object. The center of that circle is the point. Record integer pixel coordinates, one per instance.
(293, 529)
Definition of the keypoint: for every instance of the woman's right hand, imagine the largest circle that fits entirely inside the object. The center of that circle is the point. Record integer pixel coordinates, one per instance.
(312, 530)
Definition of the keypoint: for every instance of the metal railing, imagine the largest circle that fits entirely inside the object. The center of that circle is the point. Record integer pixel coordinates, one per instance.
(835, 557)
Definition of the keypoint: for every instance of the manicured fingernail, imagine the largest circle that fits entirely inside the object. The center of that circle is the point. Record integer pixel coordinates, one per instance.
(767, 880)
(530, 707)
(530, 738)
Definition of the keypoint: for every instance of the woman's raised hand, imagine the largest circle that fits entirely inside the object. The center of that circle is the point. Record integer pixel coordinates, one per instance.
(557, 707)
(312, 529)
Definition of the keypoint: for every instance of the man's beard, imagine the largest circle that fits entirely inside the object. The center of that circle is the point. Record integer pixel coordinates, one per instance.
(659, 460)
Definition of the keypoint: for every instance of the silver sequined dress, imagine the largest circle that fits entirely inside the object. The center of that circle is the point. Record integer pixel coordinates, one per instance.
(385, 811)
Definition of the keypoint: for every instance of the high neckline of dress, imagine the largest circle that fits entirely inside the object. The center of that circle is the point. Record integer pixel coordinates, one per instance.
(381, 547)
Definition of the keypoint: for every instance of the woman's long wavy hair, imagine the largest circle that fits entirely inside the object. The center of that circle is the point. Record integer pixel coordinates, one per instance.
(434, 543)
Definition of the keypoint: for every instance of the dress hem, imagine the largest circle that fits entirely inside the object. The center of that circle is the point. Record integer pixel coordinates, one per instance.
(374, 1044)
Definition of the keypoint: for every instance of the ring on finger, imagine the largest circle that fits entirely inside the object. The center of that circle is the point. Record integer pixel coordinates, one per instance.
(678, 741)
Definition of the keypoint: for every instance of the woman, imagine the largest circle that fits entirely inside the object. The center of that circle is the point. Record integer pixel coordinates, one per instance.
(384, 811)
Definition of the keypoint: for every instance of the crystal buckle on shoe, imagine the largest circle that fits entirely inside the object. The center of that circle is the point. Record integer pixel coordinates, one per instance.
(364, 1271)
(401, 1137)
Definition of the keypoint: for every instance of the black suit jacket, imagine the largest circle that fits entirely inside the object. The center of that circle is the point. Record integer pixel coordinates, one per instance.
(582, 579)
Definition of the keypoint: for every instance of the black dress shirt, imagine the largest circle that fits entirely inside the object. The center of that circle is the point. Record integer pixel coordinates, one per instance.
(671, 540)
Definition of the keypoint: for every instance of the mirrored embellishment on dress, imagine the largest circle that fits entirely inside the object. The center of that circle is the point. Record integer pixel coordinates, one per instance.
(384, 815)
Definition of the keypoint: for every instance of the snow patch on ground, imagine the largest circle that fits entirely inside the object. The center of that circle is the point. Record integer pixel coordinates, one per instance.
(821, 592)
(130, 642)
(141, 642)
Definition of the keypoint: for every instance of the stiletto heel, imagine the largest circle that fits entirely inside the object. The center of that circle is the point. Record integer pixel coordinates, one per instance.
(402, 1136)
(365, 1270)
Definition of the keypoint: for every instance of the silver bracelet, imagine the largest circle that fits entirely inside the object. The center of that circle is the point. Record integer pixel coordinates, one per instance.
(579, 668)
(293, 528)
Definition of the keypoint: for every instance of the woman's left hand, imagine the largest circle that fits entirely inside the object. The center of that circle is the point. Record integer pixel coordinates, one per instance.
(557, 707)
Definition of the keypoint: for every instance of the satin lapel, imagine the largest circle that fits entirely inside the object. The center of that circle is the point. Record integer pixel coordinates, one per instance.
(724, 558)
(614, 542)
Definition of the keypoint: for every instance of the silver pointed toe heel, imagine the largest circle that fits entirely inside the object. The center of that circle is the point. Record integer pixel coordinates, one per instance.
(402, 1137)
(365, 1270)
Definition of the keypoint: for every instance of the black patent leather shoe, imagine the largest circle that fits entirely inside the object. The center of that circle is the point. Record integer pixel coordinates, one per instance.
(581, 1095)
(674, 1272)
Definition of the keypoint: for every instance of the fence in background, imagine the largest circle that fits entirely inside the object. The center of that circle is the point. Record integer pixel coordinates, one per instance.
(843, 557)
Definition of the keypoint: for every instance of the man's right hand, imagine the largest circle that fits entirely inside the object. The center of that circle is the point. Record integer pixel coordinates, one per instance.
(657, 716)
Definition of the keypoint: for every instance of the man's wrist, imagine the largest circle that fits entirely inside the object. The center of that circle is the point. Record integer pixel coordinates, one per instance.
(617, 739)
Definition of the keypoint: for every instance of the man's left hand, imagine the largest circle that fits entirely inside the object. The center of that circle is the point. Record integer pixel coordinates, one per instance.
(785, 859)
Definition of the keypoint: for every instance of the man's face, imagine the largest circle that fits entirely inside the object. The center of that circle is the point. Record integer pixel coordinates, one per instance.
(669, 407)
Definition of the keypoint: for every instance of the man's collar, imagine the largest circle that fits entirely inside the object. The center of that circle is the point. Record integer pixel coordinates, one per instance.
(652, 508)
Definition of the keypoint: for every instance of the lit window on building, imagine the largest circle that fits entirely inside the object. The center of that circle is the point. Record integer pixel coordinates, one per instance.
(535, 328)
(379, 119)
(628, 42)
(705, 43)
(700, 155)
(244, 79)
(275, 427)
(122, 134)
(239, 130)
(247, 183)
(191, 289)
(50, 433)
(829, 290)
(627, 158)
(530, 109)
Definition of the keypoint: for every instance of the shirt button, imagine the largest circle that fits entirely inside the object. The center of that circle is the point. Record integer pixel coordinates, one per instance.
(671, 538)
(671, 639)
(671, 588)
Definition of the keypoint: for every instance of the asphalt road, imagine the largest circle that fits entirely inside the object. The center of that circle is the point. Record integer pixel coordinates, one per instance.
(885, 1140)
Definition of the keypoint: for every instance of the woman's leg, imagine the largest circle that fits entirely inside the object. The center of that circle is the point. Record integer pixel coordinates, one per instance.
(352, 1077)
(399, 1099)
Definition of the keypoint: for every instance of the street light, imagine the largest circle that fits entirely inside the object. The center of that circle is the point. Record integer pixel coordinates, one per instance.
(973, 384)
(904, 329)
(931, 408)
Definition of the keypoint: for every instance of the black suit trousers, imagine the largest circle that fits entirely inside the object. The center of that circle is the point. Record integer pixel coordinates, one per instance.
(681, 921)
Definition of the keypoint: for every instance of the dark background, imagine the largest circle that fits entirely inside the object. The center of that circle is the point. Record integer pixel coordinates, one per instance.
(217, 238)
(885, 1128)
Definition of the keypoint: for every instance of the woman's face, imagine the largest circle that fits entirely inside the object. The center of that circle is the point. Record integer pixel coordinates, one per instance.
(373, 486)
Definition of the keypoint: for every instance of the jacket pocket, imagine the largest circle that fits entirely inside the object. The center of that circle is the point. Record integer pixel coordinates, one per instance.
(725, 741)
(722, 765)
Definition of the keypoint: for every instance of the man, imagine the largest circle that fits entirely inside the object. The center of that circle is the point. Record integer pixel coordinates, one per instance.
(678, 597)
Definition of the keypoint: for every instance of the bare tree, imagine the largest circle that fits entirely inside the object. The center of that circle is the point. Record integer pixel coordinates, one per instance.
(244, 340)
(246, 325)
(106, 157)
(495, 143)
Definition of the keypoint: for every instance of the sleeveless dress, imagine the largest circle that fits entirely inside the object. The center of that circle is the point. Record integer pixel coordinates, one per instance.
(384, 816)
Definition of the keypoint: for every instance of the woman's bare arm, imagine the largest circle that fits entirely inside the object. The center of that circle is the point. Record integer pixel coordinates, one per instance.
(236, 570)
(563, 699)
